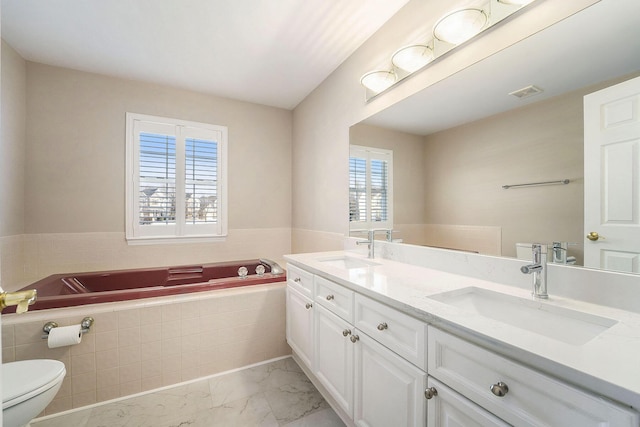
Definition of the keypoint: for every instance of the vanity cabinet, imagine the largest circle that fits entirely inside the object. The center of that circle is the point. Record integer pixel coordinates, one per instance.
(373, 385)
(299, 324)
(333, 356)
(299, 313)
(385, 368)
(516, 393)
(389, 391)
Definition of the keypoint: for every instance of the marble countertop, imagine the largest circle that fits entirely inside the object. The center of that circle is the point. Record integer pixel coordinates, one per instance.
(608, 364)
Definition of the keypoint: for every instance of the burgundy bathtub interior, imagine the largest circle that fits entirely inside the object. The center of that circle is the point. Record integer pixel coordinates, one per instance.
(73, 289)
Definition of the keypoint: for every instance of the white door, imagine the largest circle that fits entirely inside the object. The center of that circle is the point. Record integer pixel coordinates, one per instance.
(612, 177)
(389, 391)
(333, 356)
(300, 325)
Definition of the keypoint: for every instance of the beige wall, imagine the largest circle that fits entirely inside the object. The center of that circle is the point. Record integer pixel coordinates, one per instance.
(466, 167)
(12, 146)
(322, 120)
(76, 150)
(408, 166)
(63, 158)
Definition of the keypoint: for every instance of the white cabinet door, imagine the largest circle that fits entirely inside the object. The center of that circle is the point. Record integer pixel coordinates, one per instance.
(450, 409)
(389, 391)
(333, 356)
(300, 325)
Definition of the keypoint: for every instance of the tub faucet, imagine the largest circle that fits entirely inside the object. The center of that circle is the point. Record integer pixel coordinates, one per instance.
(539, 270)
(275, 267)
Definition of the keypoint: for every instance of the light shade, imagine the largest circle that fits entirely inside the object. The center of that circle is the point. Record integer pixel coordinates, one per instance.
(379, 80)
(459, 26)
(412, 58)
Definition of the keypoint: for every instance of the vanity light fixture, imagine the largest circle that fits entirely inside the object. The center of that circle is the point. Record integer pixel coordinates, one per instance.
(459, 26)
(453, 29)
(379, 80)
(412, 58)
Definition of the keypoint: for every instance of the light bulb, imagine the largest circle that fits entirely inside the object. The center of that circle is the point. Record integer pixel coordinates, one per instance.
(412, 58)
(459, 26)
(379, 80)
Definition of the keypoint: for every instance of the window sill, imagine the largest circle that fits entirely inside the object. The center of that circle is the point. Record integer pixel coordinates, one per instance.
(168, 240)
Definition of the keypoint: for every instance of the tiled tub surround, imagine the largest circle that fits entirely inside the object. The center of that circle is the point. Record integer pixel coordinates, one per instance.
(145, 344)
(275, 393)
(606, 365)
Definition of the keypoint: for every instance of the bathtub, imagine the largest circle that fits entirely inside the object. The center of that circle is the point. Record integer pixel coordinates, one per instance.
(77, 289)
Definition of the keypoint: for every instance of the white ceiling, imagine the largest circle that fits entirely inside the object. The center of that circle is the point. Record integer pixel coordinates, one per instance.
(268, 52)
(599, 43)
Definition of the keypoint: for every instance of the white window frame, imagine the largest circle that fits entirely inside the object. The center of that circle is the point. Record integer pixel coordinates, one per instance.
(180, 231)
(371, 153)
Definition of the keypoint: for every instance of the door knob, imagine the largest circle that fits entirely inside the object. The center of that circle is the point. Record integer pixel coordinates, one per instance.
(593, 236)
(22, 299)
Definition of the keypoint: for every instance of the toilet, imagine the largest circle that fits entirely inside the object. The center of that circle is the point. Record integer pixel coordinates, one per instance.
(28, 387)
(523, 251)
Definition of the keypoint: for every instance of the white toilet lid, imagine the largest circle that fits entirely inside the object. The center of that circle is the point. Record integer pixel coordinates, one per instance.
(24, 379)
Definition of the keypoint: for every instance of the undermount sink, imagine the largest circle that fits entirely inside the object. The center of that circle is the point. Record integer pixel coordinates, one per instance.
(348, 262)
(562, 324)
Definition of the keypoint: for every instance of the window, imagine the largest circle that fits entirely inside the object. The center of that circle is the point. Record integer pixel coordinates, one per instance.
(370, 188)
(176, 180)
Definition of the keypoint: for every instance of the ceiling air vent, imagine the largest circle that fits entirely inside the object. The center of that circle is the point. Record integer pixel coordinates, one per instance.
(526, 92)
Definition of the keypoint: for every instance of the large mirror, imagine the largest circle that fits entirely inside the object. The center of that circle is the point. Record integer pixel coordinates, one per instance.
(457, 143)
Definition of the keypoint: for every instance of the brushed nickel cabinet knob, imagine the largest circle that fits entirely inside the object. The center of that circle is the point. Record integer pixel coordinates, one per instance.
(430, 392)
(499, 389)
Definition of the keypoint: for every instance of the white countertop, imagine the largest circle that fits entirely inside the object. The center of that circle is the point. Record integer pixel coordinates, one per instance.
(609, 364)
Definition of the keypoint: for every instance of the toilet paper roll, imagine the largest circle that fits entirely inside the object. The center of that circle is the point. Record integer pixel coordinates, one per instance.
(64, 336)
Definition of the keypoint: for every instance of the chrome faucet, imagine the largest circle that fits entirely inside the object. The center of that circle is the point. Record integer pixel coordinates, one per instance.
(371, 240)
(560, 253)
(539, 270)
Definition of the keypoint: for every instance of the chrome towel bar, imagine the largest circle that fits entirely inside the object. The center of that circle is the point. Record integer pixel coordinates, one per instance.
(533, 184)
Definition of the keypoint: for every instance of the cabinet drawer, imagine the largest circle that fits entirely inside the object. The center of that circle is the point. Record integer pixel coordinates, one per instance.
(335, 298)
(403, 334)
(448, 408)
(300, 280)
(531, 398)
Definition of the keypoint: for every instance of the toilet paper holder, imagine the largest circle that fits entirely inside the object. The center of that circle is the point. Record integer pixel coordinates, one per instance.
(85, 326)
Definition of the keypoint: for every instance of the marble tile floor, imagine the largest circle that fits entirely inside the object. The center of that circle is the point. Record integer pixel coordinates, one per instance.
(274, 394)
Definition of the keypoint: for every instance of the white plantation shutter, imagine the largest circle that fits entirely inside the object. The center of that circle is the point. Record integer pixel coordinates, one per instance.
(157, 179)
(176, 179)
(370, 188)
